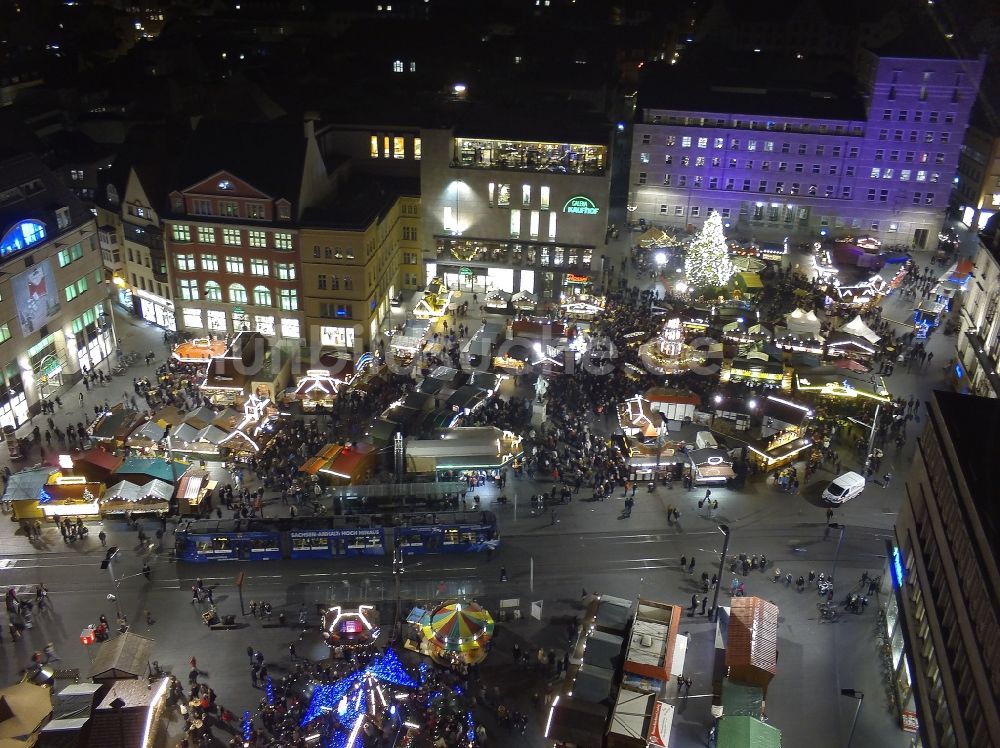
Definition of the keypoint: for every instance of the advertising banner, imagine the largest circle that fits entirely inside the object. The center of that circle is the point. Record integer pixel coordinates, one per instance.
(36, 295)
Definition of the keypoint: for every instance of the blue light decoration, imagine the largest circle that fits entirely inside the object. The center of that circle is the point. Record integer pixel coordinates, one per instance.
(349, 697)
(247, 727)
(898, 571)
(44, 497)
(20, 236)
(269, 690)
(470, 733)
(424, 672)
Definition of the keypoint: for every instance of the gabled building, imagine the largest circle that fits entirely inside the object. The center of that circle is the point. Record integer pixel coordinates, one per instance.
(232, 226)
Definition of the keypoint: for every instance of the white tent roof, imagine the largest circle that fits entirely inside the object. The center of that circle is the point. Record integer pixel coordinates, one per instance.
(858, 328)
(801, 321)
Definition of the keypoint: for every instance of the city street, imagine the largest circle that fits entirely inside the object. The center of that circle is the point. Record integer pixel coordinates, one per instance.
(593, 549)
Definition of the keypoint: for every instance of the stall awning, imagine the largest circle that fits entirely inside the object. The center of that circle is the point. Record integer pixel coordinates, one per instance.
(314, 464)
(746, 732)
(125, 656)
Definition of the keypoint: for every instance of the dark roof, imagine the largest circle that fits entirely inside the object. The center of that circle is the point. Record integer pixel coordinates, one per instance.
(973, 425)
(270, 156)
(568, 124)
(40, 201)
(73, 146)
(783, 411)
(359, 201)
(764, 84)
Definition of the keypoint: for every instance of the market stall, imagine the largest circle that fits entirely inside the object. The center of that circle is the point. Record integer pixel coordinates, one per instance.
(67, 497)
(194, 492)
(113, 426)
(836, 382)
(637, 418)
(199, 350)
(435, 301)
(524, 301)
(582, 306)
(668, 353)
(96, 464)
(752, 642)
(456, 632)
(22, 491)
(152, 497)
(498, 300)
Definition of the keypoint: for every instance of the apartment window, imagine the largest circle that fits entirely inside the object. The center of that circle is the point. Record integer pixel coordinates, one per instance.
(835, 152)
(699, 161)
(769, 146)
(646, 138)
(876, 172)
(184, 262)
(229, 209)
(852, 152)
(182, 233)
(703, 142)
(697, 181)
(525, 195)
(718, 143)
(935, 176)
(668, 159)
(284, 271)
(904, 175)
(913, 136)
(231, 237)
(201, 207)
(679, 211)
(762, 185)
(695, 211)
(552, 225)
(828, 192)
(398, 147)
(730, 183)
(543, 199)
(921, 176)
(795, 188)
(663, 208)
(503, 195)
(373, 148)
(929, 198)
(671, 140)
(256, 210)
(849, 171)
(257, 238)
(939, 158)
(734, 144)
(416, 149)
(234, 265)
(916, 197)
(748, 165)
(685, 161)
(798, 168)
(909, 156)
(642, 178)
(751, 145)
(666, 180)
(886, 114)
(812, 189)
(871, 194)
(262, 296)
(188, 289)
(682, 180)
(815, 169)
(879, 154)
(945, 137)
(782, 166)
(786, 148)
(213, 291)
(533, 224)
(883, 196)
(888, 173)
(716, 162)
(713, 183)
(949, 117)
(288, 299)
(515, 223)
(237, 293)
(831, 170)
(259, 267)
(206, 235)
(210, 263)
(746, 185)
(845, 193)
(282, 240)
(385, 146)
(644, 158)
(901, 115)
(685, 142)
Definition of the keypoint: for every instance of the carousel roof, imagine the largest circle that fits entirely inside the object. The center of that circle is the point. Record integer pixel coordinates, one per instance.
(801, 321)
(458, 627)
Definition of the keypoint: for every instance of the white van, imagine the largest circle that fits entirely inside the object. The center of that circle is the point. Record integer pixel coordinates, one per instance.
(844, 488)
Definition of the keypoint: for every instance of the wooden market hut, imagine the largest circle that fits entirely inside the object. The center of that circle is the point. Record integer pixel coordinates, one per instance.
(752, 642)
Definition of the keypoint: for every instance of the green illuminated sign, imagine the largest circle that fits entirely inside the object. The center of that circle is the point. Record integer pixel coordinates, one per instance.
(465, 271)
(581, 205)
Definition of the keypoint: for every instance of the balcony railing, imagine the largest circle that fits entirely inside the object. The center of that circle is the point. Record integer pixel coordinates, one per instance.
(988, 364)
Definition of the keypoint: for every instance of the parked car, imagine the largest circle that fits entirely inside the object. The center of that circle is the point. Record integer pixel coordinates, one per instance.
(844, 488)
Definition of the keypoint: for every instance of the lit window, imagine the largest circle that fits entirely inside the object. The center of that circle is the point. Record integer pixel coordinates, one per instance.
(289, 328)
(490, 190)
(234, 265)
(416, 149)
(288, 299)
(282, 240)
(257, 238)
(231, 237)
(284, 271)
(259, 267)
(543, 198)
(237, 293)
(515, 223)
(193, 318)
(182, 233)
(189, 289)
(552, 225)
(213, 291)
(533, 225)
(262, 296)
(184, 262)
(385, 146)
(210, 263)
(397, 66)
(686, 142)
(525, 195)
(374, 146)
(448, 219)
(398, 146)
(206, 235)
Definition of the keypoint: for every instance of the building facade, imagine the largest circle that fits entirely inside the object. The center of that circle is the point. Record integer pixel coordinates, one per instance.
(979, 341)
(144, 277)
(357, 254)
(55, 318)
(514, 215)
(977, 191)
(805, 163)
(232, 234)
(943, 607)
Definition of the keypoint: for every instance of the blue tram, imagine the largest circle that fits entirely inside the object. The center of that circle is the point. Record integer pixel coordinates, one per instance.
(336, 537)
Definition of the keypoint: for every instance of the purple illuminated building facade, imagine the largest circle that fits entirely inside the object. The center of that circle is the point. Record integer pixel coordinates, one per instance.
(800, 148)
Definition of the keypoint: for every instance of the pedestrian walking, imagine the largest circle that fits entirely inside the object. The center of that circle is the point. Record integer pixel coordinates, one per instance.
(103, 537)
(503, 573)
(50, 652)
(886, 479)
(147, 572)
(691, 566)
(704, 602)
(829, 515)
(684, 562)
(694, 605)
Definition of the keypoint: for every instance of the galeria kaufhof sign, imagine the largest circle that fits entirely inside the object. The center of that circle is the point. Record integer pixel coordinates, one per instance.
(21, 236)
(581, 205)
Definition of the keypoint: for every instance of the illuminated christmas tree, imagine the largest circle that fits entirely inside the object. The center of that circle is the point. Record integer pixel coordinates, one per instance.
(707, 262)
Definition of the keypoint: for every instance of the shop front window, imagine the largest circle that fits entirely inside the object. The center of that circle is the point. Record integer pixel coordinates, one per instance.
(546, 257)
(192, 319)
(216, 320)
(265, 324)
(559, 256)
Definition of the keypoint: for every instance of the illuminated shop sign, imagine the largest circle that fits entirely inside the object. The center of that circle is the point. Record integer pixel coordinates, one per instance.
(897, 567)
(581, 205)
(21, 236)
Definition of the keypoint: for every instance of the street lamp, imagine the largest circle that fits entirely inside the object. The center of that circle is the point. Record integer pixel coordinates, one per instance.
(850, 692)
(836, 555)
(109, 557)
(714, 614)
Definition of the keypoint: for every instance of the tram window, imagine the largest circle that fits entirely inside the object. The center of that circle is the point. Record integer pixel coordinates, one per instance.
(469, 537)
(222, 545)
(205, 546)
(306, 544)
(365, 541)
(263, 544)
(451, 535)
(414, 539)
